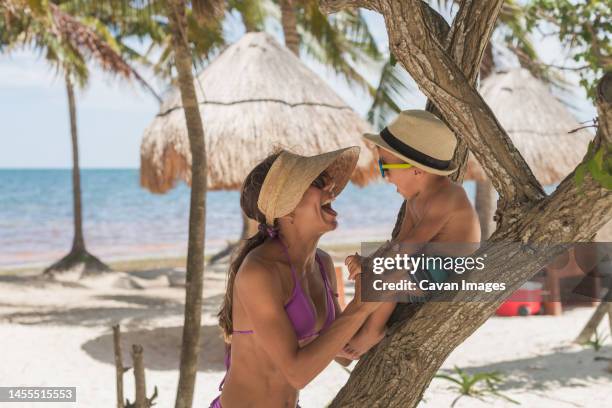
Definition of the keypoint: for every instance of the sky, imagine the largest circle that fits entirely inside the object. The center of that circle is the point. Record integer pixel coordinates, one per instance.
(112, 113)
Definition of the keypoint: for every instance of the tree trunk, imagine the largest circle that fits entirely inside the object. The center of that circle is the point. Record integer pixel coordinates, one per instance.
(399, 369)
(289, 23)
(591, 327)
(78, 255)
(487, 66)
(485, 207)
(78, 243)
(605, 306)
(139, 377)
(197, 208)
(486, 201)
(119, 370)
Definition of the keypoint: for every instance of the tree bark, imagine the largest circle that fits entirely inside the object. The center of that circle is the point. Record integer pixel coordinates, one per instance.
(464, 110)
(604, 307)
(139, 377)
(591, 327)
(78, 243)
(486, 201)
(119, 370)
(397, 372)
(469, 48)
(197, 208)
(289, 23)
(485, 207)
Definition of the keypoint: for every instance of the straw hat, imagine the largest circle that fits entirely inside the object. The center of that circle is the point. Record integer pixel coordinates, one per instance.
(419, 138)
(292, 174)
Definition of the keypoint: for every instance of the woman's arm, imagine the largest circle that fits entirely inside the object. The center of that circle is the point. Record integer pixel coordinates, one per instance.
(330, 269)
(260, 293)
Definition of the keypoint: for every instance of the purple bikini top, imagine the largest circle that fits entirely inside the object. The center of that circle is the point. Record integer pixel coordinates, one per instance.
(299, 308)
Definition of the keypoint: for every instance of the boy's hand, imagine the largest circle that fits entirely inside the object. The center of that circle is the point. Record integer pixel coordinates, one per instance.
(356, 276)
(343, 354)
(353, 263)
(364, 340)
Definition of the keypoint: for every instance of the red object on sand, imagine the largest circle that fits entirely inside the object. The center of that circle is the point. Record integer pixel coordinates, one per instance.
(525, 301)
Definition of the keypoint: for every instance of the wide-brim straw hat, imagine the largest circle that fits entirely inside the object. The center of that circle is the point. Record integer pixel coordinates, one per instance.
(418, 137)
(291, 174)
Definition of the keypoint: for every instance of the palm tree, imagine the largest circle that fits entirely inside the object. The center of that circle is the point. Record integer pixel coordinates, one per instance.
(206, 10)
(184, 37)
(68, 44)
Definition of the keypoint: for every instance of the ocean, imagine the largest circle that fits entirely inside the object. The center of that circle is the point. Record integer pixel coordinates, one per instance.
(121, 220)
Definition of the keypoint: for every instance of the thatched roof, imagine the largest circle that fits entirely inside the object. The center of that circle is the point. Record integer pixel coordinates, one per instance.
(258, 96)
(537, 123)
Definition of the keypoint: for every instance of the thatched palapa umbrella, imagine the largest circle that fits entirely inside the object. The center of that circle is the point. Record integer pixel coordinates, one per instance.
(254, 97)
(539, 126)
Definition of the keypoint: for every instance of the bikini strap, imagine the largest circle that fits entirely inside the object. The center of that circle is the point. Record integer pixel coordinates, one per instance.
(331, 312)
(323, 272)
(227, 360)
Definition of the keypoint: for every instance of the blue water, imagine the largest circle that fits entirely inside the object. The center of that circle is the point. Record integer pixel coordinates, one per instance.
(123, 220)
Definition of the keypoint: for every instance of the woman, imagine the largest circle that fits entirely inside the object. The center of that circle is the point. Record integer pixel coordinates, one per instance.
(280, 309)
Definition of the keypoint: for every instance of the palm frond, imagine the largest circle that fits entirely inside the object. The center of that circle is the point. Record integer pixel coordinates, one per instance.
(341, 41)
(208, 10)
(392, 86)
(252, 12)
(357, 32)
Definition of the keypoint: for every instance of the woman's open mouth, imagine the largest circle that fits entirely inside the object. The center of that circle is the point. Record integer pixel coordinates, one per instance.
(328, 209)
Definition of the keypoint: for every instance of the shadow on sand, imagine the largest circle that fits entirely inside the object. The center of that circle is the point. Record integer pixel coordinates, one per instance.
(162, 348)
(563, 368)
(138, 308)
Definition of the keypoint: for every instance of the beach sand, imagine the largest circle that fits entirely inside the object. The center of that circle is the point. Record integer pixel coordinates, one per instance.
(59, 334)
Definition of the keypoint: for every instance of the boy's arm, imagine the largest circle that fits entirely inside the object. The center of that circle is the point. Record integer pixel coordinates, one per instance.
(330, 269)
(436, 216)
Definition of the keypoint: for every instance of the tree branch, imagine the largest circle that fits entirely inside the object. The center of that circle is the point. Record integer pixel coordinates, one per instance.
(466, 43)
(333, 6)
(423, 337)
(450, 90)
(604, 109)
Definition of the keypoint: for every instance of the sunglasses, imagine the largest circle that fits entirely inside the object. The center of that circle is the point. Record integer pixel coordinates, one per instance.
(386, 167)
(321, 181)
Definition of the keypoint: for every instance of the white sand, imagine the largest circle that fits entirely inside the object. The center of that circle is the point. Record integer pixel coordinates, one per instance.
(59, 334)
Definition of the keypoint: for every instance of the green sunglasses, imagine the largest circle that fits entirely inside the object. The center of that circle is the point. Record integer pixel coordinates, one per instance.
(384, 166)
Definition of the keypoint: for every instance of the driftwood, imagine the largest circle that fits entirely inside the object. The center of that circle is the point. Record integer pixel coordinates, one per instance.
(141, 400)
(119, 369)
(605, 307)
(139, 380)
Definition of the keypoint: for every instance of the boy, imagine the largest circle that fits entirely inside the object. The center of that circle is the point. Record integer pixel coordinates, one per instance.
(415, 153)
